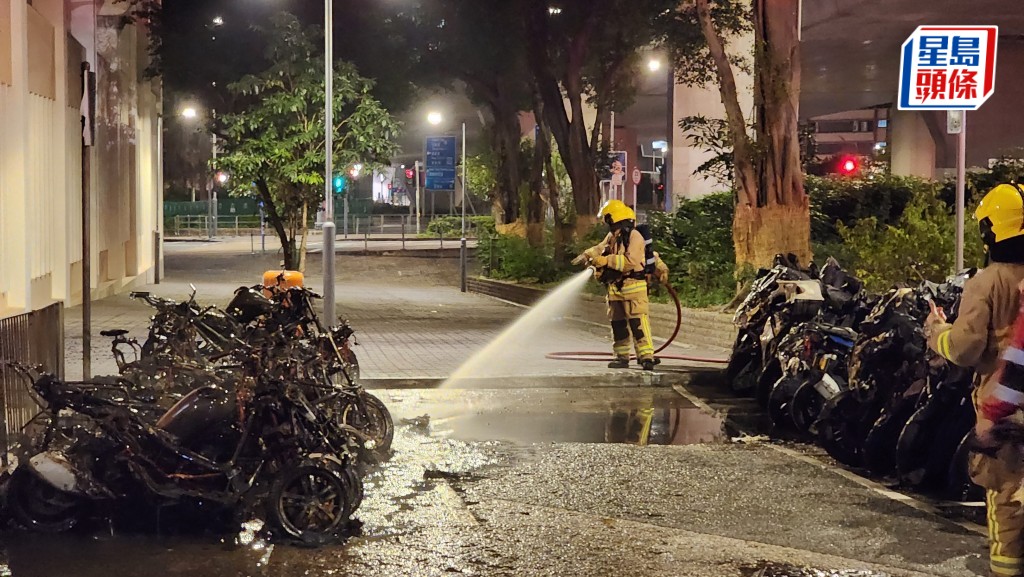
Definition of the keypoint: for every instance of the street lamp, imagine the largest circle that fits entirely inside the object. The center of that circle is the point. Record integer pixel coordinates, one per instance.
(654, 65)
(218, 21)
(190, 113)
(328, 226)
(435, 118)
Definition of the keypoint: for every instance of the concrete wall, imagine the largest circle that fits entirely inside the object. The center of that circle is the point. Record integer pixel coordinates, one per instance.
(912, 144)
(703, 101)
(41, 150)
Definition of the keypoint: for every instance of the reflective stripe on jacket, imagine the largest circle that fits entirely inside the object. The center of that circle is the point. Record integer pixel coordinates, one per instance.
(987, 311)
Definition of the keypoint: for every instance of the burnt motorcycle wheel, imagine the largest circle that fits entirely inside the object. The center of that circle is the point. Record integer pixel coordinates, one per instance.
(778, 402)
(766, 381)
(959, 486)
(38, 506)
(744, 363)
(880, 445)
(374, 421)
(839, 428)
(806, 405)
(311, 503)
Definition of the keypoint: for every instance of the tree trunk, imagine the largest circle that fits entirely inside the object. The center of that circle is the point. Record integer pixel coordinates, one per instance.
(277, 222)
(506, 142)
(305, 235)
(772, 213)
(760, 233)
(570, 134)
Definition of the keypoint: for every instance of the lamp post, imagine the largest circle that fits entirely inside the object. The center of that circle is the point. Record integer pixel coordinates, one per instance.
(655, 65)
(329, 227)
(190, 113)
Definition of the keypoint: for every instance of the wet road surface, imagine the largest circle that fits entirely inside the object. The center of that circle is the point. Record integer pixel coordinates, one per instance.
(550, 481)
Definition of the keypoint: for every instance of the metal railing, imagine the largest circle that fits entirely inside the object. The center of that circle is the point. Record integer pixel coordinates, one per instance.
(357, 225)
(35, 338)
(203, 225)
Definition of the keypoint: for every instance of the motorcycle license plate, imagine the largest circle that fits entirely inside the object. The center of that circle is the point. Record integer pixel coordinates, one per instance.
(828, 387)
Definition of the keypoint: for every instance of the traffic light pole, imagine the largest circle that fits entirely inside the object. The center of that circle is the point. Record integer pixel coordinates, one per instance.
(328, 227)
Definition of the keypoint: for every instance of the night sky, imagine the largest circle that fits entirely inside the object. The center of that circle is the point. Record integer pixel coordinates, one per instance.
(198, 54)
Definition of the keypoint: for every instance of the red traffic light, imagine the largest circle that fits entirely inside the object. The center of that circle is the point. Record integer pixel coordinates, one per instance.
(848, 166)
(409, 173)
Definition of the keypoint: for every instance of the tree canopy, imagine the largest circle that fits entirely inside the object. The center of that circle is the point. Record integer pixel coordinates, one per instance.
(274, 142)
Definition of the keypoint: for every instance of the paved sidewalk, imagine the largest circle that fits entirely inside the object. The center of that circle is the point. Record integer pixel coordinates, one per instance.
(411, 321)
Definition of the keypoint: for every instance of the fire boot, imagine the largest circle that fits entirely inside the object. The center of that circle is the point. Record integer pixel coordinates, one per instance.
(619, 363)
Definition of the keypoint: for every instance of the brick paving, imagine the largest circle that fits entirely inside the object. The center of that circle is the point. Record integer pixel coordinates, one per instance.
(411, 321)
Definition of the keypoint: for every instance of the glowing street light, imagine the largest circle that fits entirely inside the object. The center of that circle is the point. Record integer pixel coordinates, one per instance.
(218, 21)
(654, 65)
(356, 169)
(222, 177)
(435, 118)
(189, 113)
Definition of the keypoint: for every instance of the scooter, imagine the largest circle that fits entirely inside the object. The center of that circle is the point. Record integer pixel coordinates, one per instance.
(261, 447)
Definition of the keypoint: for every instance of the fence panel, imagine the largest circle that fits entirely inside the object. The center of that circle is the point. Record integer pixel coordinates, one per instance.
(35, 338)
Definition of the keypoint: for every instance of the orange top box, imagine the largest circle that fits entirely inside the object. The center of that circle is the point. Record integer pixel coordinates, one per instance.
(282, 279)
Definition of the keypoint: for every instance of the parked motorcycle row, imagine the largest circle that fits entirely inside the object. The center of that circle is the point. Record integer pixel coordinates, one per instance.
(853, 371)
(221, 415)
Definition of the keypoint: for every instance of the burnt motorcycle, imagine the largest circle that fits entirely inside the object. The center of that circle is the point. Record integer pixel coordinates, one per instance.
(760, 320)
(260, 447)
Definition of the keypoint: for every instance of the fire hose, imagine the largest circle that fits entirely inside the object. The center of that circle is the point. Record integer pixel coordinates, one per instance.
(595, 356)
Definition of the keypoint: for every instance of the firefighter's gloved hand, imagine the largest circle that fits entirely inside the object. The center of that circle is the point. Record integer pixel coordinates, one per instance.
(599, 260)
(660, 270)
(581, 259)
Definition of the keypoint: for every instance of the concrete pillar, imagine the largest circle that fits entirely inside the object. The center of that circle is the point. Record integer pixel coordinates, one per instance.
(15, 174)
(912, 144)
(704, 101)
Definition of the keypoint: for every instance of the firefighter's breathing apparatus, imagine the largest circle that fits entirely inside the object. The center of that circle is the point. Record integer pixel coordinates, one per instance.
(601, 273)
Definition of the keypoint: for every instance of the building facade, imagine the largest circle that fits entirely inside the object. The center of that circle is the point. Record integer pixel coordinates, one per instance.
(43, 47)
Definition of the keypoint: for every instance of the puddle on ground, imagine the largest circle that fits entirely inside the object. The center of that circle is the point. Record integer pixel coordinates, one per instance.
(635, 415)
(770, 569)
(679, 425)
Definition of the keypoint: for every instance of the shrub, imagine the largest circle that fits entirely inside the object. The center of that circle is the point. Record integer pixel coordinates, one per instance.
(920, 245)
(511, 257)
(696, 244)
(451, 226)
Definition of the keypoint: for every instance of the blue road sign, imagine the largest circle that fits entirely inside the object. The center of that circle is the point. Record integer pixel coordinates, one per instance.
(440, 163)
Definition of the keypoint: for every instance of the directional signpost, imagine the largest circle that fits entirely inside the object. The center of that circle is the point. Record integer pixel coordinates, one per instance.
(951, 68)
(440, 162)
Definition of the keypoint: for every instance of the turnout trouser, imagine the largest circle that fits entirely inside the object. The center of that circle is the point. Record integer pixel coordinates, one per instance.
(1005, 534)
(631, 325)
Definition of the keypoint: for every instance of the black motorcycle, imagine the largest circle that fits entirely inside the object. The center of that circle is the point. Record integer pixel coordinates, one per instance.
(259, 447)
(746, 361)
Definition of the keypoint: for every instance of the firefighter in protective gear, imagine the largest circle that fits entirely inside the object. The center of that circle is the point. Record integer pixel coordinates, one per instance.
(988, 308)
(621, 264)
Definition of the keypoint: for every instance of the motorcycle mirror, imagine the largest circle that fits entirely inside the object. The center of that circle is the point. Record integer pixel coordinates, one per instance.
(194, 290)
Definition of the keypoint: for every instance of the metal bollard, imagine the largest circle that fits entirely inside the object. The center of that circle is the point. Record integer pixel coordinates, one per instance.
(403, 233)
(382, 224)
(366, 242)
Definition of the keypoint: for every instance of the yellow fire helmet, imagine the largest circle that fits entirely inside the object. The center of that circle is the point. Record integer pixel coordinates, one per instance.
(615, 211)
(1001, 213)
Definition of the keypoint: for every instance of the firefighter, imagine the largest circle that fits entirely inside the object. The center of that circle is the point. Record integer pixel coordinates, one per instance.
(988, 308)
(623, 262)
